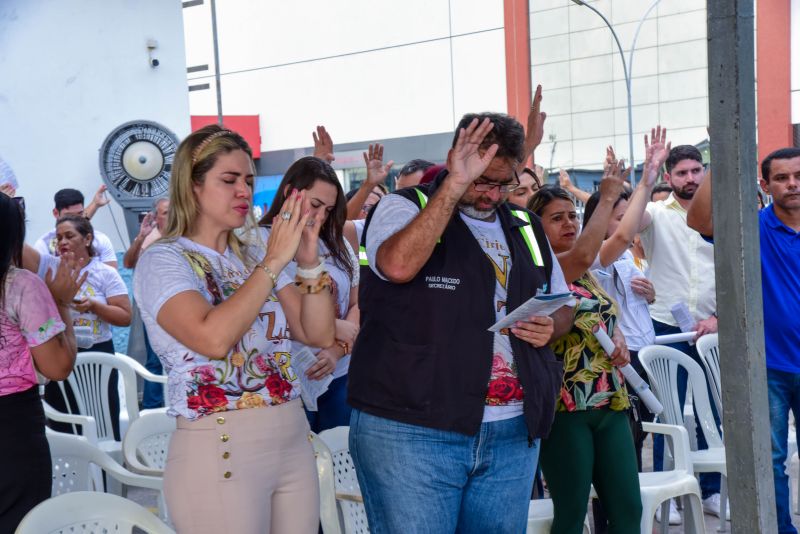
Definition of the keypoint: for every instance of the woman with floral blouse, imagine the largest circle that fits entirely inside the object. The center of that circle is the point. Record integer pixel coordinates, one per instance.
(590, 442)
(219, 312)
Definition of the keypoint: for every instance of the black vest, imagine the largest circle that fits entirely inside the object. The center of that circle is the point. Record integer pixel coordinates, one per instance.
(424, 354)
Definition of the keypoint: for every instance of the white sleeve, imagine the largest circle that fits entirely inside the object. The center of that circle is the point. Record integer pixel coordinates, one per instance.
(41, 246)
(558, 284)
(113, 283)
(46, 261)
(161, 273)
(392, 214)
(104, 248)
(351, 256)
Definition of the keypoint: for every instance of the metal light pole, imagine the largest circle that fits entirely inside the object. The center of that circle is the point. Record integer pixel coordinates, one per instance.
(627, 68)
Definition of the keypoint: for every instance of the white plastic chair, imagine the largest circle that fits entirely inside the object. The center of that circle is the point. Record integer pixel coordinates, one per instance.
(328, 512)
(348, 494)
(708, 348)
(540, 517)
(90, 512)
(73, 458)
(661, 365)
(89, 383)
(146, 442)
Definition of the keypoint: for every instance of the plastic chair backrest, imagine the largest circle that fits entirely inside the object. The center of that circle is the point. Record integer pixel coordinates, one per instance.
(328, 512)
(708, 348)
(90, 512)
(89, 383)
(146, 442)
(355, 517)
(72, 458)
(661, 365)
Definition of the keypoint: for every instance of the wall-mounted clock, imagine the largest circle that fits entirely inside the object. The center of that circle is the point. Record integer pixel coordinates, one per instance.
(135, 162)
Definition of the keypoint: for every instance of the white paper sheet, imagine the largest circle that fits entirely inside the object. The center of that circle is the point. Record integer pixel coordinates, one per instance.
(302, 360)
(541, 305)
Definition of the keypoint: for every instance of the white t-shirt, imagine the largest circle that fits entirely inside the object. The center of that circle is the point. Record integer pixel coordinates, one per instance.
(634, 315)
(342, 286)
(102, 246)
(392, 214)
(256, 372)
(102, 283)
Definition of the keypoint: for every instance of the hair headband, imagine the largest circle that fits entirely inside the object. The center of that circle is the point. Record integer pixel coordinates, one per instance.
(204, 143)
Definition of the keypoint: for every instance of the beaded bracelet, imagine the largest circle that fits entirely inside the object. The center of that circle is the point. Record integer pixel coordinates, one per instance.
(323, 282)
(269, 272)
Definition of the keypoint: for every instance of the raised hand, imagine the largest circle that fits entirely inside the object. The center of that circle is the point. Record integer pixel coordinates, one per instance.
(285, 235)
(147, 225)
(323, 144)
(614, 176)
(536, 118)
(656, 152)
(563, 180)
(8, 189)
(307, 255)
(67, 280)
(376, 170)
(466, 163)
(100, 199)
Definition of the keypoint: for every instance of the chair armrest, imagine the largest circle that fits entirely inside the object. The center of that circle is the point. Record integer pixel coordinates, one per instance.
(347, 496)
(680, 443)
(129, 478)
(142, 371)
(87, 422)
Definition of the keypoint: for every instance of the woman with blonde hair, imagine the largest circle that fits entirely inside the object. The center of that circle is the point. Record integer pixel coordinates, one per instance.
(216, 312)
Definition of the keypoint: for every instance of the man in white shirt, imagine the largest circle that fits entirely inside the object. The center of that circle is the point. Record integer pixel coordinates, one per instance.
(70, 201)
(682, 271)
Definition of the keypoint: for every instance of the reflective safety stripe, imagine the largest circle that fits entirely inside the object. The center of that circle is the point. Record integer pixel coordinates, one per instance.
(423, 198)
(362, 256)
(423, 201)
(530, 237)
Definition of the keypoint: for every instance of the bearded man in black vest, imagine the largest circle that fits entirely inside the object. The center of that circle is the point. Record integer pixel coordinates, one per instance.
(447, 414)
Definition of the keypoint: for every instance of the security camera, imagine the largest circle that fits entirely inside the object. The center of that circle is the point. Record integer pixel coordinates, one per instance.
(154, 62)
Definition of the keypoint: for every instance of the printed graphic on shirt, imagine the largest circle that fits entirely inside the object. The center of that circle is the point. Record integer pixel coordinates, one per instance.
(250, 376)
(504, 385)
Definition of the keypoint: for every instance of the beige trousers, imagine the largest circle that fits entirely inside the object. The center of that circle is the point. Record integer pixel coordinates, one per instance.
(242, 472)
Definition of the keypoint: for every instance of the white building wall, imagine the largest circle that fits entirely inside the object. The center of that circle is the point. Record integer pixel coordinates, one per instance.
(574, 57)
(367, 70)
(72, 72)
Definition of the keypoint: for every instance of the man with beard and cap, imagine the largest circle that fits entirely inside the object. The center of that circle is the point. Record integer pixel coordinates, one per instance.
(682, 271)
(446, 414)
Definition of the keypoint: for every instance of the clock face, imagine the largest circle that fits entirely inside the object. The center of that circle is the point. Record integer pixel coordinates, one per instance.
(136, 161)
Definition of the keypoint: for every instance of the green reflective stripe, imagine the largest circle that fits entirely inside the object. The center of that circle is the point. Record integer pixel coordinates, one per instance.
(362, 256)
(423, 199)
(530, 238)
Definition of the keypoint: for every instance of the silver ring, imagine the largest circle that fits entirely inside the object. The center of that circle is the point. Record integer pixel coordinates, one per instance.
(286, 215)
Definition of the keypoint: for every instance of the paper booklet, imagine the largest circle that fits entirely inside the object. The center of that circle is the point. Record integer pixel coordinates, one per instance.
(310, 390)
(541, 305)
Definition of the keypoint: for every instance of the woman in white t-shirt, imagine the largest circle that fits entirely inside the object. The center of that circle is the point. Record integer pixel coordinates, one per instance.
(218, 312)
(325, 201)
(101, 302)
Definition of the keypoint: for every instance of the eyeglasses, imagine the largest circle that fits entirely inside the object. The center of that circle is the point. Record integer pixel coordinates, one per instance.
(484, 184)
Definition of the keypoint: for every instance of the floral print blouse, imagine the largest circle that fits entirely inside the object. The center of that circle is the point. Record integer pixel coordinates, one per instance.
(590, 381)
(257, 371)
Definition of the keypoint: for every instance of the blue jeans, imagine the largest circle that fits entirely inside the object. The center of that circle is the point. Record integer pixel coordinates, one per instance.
(418, 480)
(709, 482)
(784, 395)
(332, 407)
(153, 393)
